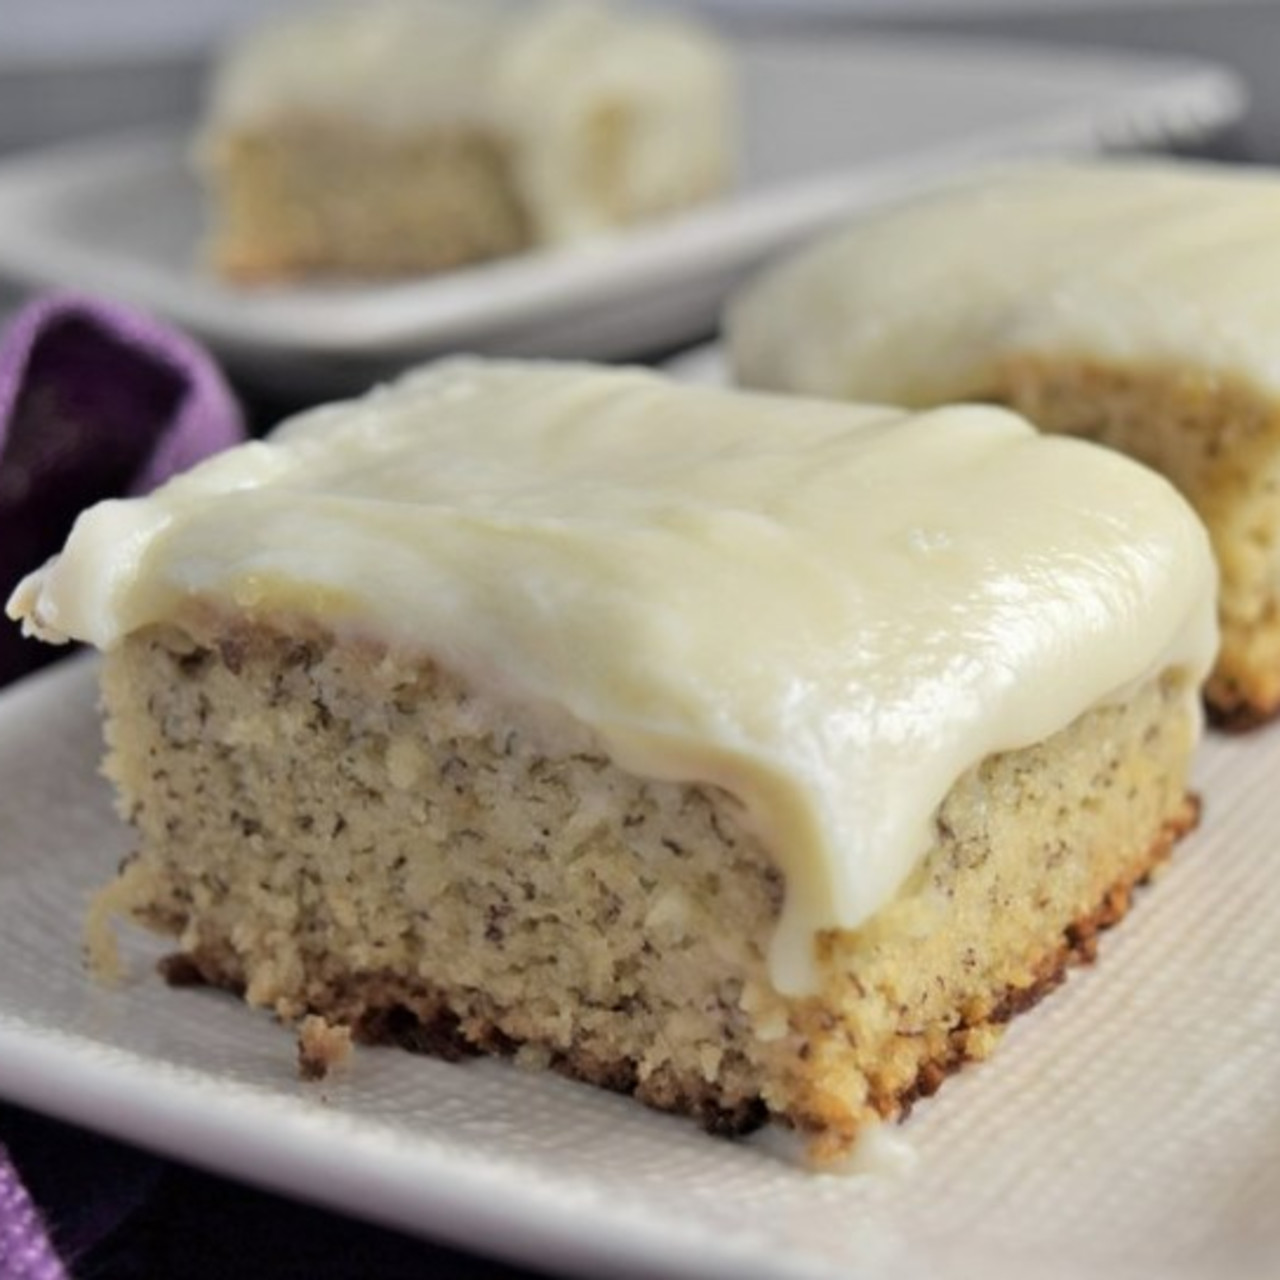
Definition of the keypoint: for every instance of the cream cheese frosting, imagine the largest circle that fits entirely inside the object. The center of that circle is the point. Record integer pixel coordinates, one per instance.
(607, 115)
(1152, 262)
(831, 611)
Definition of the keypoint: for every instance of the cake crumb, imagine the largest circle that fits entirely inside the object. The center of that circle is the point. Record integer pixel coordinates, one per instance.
(322, 1046)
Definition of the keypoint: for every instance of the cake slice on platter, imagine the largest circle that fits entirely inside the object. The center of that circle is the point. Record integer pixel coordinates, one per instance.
(757, 756)
(403, 137)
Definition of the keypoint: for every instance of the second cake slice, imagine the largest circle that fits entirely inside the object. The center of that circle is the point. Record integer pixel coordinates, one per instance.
(1132, 302)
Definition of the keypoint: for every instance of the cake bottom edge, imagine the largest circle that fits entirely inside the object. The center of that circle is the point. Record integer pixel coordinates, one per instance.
(389, 1010)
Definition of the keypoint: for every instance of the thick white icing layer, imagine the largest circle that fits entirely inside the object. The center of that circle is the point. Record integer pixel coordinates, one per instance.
(1139, 261)
(608, 116)
(832, 611)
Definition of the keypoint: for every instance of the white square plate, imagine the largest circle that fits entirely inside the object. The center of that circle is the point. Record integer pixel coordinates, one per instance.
(1127, 1129)
(829, 127)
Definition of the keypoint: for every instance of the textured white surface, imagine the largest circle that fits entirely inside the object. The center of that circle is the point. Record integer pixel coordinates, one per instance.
(830, 127)
(1127, 1129)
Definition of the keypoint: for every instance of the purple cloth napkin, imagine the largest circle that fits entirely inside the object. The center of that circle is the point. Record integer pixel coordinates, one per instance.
(25, 1252)
(97, 400)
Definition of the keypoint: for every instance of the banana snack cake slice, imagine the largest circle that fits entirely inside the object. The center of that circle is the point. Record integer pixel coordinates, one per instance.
(757, 756)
